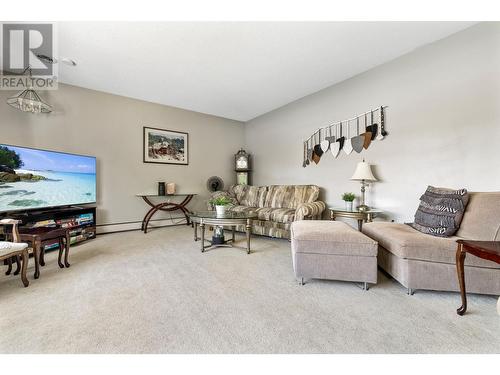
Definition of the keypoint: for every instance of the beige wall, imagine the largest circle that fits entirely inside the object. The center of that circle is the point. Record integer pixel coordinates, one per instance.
(110, 128)
(443, 119)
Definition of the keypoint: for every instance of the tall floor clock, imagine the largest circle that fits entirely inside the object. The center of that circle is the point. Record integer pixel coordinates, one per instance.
(242, 167)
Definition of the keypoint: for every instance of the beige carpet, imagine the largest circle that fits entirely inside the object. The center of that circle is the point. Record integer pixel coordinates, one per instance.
(156, 293)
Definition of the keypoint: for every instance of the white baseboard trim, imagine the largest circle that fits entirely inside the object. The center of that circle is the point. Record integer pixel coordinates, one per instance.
(136, 225)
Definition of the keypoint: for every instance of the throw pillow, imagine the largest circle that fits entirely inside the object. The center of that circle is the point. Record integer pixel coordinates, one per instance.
(440, 211)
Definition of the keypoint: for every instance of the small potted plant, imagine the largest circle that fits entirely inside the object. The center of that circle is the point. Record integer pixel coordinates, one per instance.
(348, 198)
(220, 204)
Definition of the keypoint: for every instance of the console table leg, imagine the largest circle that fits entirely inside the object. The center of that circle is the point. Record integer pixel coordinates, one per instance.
(248, 229)
(460, 259)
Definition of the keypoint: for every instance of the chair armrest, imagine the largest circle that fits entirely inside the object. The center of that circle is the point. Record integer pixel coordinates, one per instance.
(15, 232)
(309, 210)
(9, 222)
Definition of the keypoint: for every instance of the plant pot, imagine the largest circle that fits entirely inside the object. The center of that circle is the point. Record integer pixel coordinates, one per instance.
(220, 210)
(348, 206)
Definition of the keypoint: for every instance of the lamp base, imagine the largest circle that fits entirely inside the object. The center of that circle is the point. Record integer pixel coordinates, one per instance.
(363, 208)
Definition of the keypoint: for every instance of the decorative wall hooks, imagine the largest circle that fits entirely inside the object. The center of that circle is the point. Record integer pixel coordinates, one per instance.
(353, 134)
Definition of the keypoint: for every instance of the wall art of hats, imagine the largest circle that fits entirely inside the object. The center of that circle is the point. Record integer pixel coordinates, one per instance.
(343, 137)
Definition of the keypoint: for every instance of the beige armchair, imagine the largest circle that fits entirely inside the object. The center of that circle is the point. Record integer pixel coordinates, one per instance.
(17, 250)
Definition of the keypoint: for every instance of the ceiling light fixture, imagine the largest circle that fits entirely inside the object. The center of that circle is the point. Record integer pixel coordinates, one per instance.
(28, 100)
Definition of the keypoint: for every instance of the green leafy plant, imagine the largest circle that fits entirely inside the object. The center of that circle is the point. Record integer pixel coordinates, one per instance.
(348, 197)
(10, 158)
(220, 201)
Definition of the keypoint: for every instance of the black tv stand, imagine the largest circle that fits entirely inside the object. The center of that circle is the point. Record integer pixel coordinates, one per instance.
(80, 220)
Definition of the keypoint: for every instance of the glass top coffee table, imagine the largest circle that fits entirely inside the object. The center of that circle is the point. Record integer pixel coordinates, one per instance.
(229, 219)
(360, 216)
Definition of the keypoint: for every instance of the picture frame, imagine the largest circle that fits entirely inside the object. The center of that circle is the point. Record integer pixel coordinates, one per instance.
(163, 146)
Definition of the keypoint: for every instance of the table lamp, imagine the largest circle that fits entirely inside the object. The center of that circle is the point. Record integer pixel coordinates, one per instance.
(364, 174)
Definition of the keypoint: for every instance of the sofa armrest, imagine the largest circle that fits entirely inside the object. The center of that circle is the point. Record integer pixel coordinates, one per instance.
(218, 194)
(309, 210)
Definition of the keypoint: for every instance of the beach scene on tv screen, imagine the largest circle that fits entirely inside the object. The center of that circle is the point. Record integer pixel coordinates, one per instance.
(31, 178)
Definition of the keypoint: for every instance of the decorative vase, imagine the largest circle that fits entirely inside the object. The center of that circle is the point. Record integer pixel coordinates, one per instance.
(220, 210)
(161, 188)
(348, 206)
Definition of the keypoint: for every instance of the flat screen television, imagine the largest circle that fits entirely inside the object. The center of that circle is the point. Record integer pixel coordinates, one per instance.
(36, 179)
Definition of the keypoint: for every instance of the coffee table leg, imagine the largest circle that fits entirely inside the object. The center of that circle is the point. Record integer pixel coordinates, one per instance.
(248, 229)
(233, 231)
(195, 225)
(61, 250)
(461, 278)
(360, 224)
(202, 228)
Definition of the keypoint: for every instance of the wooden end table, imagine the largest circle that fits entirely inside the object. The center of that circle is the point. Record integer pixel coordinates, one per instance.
(38, 238)
(361, 216)
(489, 250)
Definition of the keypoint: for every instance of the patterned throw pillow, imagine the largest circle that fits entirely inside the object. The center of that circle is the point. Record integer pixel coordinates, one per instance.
(440, 211)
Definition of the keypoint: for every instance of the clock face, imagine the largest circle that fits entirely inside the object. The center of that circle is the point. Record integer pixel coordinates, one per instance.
(242, 163)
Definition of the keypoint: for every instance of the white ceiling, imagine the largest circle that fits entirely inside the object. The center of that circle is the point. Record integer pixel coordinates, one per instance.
(235, 70)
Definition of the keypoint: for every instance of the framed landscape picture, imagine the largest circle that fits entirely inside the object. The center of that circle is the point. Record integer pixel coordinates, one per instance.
(165, 146)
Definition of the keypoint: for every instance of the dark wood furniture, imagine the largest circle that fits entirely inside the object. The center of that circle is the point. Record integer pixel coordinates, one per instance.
(167, 206)
(489, 250)
(16, 252)
(40, 238)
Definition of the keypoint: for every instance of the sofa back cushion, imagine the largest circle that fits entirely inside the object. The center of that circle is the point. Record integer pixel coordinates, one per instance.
(482, 217)
(440, 211)
(290, 196)
(252, 196)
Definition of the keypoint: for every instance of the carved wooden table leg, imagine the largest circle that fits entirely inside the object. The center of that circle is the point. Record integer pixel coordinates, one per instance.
(61, 250)
(66, 253)
(24, 267)
(37, 246)
(9, 266)
(460, 259)
(42, 255)
(18, 265)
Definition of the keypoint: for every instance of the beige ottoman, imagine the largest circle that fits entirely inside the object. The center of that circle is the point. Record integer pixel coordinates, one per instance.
(333, 250)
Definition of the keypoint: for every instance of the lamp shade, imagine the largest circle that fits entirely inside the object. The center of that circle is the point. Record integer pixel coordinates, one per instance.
(363, 172)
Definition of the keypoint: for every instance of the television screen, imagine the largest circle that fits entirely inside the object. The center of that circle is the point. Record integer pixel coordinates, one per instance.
(32, 178)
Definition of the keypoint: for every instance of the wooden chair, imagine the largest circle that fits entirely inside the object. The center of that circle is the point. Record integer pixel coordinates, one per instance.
(10, 250)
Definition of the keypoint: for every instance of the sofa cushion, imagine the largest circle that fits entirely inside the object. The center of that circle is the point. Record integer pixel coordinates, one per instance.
(408, 243)
(482, 217)
(239, 208)
(250, 195)
(440, 211)
(279, 215)
(290, 196)
(330, 237)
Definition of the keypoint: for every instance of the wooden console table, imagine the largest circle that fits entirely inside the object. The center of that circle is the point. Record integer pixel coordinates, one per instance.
(168, 206)
(489, 250)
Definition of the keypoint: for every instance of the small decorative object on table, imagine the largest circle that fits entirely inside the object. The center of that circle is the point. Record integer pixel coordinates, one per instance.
(220, 204)
(348, 198)
(364, 174)
(161, 188)
(170, 188)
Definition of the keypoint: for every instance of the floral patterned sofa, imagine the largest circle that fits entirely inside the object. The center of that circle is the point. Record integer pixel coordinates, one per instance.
(277, 206)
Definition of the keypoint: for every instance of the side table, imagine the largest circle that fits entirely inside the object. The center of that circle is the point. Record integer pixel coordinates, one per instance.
(489, 250)
(38, 238)
(360, 216)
